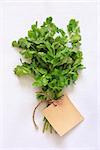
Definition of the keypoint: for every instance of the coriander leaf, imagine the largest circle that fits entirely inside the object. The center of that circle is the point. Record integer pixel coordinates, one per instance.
(22, 70)
(49, 20)
(72, 26)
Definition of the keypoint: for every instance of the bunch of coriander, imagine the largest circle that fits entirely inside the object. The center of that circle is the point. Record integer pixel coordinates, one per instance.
(54, 58)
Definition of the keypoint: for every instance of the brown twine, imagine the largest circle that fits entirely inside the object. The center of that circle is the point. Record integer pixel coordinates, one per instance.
(34, 114)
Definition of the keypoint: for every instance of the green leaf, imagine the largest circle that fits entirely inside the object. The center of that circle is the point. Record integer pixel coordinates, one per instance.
(23, 43)
(14, 44)
(74, 76)
(31, 35)
(76, 38)
(42, 71)
(62, 32)
(72, 26)
(27, 53)
(49, 20)
(40, 81)
(22, 70)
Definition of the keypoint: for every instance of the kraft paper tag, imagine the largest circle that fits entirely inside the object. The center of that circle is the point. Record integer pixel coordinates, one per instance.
(63, 116)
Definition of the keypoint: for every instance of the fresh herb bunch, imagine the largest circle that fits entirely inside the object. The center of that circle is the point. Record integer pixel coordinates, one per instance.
(54, 57)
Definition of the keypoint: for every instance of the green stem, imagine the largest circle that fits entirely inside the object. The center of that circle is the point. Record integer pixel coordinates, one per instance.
(44, 124)
(47, 126)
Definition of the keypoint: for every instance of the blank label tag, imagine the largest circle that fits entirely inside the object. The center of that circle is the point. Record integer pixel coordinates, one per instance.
(63, 116)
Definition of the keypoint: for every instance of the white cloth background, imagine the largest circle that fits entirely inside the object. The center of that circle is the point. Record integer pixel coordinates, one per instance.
(17, 96)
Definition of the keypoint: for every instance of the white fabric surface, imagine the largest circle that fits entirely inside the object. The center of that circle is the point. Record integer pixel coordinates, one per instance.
(17, 96)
